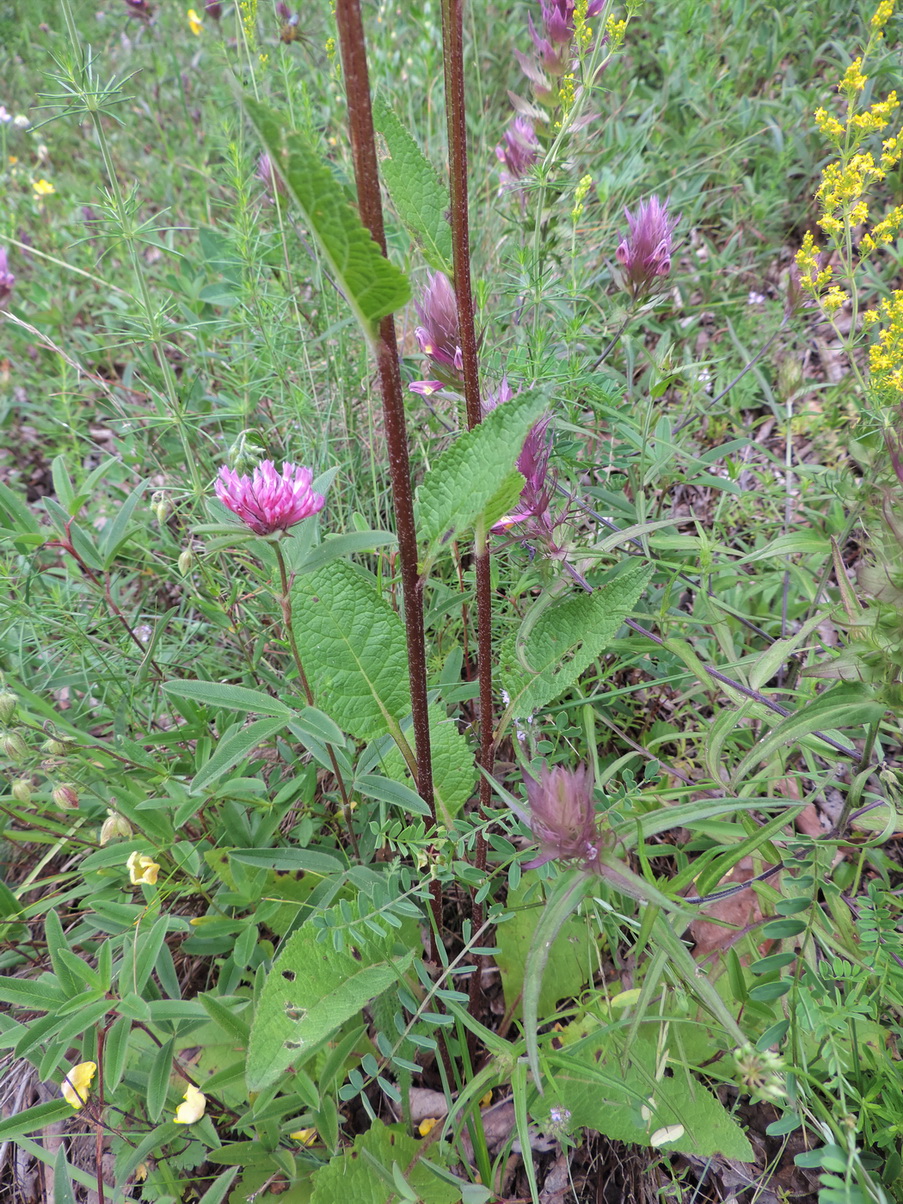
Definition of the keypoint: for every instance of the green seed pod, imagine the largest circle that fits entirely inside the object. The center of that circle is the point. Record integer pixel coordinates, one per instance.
(8, 704)
(13, 747)
(186, 560)
(56, 748)
(21, 790)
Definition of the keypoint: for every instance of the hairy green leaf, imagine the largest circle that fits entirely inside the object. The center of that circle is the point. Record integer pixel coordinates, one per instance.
(548, 655)
(420, 199)
(464, 481)
(364, 1173)
(312, 990)
(353, 646)
(372, 285)
(454, 772)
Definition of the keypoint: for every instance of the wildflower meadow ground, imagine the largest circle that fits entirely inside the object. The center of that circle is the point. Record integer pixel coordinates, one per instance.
(451, 645)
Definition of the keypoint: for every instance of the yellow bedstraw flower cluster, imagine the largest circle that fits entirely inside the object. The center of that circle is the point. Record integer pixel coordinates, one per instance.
(847, 181)
(886, 355)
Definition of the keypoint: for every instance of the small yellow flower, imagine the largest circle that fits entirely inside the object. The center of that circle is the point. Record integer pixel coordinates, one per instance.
(77, 1083)
(142, 869)
(193, 1108)
(42, 187)
(306, 1136)
(194, 22)
(426, 1126)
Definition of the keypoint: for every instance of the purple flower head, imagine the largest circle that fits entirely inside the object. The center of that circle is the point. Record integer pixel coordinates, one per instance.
(437, 310)
(562, 816)
(425, 388)
(213, 9)
(519, 151)
(140, 8)
(645, 253)
(498, 396)
(267, 501)
(553, 52)
(7, 279)
(283, 12)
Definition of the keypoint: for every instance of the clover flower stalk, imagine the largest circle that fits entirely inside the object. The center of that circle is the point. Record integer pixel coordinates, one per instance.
(644, 253)
(268, 502)
(438, 334)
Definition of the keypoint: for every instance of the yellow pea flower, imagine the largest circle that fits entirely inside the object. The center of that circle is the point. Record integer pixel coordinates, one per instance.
(77, 1083)
(195, 22)
(193, 1108)
(142, 869)
(306, 1136)
(42, 187)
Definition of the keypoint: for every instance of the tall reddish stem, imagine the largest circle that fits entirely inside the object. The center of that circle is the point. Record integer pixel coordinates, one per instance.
(366, 174)
(455, 110)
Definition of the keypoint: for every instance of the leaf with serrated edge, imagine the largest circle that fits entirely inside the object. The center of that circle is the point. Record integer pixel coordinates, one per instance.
(312, 990)
(353, 647)
(565, 640)
(471, 474)
(414, 187)
(454, 772)
(372, 285)
(363, 1174)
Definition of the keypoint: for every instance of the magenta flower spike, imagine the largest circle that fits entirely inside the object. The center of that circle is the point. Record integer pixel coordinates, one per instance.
(7, 279)
(519, 151)
(562, 816)
(437, 310)
(269, 501)
(645, 253)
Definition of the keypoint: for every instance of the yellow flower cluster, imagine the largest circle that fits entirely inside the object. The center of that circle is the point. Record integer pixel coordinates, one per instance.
(886, 355)
(248, 10)
(615, 30)
(586, 182)
(853, 80)
(582, 32)
(883, 14)
(567, 93)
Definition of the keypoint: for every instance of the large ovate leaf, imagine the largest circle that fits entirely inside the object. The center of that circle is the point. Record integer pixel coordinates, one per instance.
(353, 647)
(476, 469)
(454, 771)
(572, 958)
(352, 1176)
(372, 285)
(547, 656)
(627, 1096)
(312, 990)
(420, 199)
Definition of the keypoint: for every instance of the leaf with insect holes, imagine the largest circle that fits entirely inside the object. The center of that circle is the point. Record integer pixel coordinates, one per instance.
(414, 187)
(311, 991)
(476, 471)
(352, 644)
(372, 285)
(546, 657)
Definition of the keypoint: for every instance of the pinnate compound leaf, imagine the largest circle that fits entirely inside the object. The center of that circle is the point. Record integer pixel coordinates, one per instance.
(538, 665)
(460, 487)
(353, 647)
(364, 1173)
(420, 199)
(372, 285)
(237, 744)
(312, 990)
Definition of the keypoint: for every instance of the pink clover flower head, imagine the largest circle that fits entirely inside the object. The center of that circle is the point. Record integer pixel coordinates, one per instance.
(269, 501)
(437, 310)
(562, 816)
(7, 279)
(519, 151)
(645, 253)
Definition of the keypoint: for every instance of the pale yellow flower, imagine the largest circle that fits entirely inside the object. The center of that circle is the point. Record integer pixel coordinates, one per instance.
(426, 1126)
(195, 22)
(42, 187)
(306, 1136)
(193, 1108)
(77, 1083)
(142, 869)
